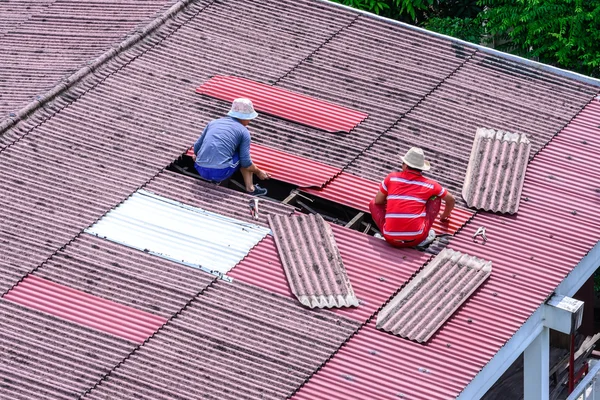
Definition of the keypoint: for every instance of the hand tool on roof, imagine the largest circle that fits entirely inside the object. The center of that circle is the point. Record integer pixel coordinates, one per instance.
(253, 204)
(480, 232)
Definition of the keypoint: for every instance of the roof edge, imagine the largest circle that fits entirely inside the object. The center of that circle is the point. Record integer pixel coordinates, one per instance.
(77, 76)
(536, 64)
(529, 331)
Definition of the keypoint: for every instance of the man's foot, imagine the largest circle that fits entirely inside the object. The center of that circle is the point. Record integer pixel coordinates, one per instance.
(258, 191)
(428, 240)
(378, 236)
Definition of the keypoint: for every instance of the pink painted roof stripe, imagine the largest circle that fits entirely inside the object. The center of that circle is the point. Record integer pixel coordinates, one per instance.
(290, 168)
(375, 269)
(284, 103)
(356, 192)
(85, 309)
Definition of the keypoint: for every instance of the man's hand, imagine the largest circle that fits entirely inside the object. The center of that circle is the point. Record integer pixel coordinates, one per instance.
(194, 157)
(262, 175)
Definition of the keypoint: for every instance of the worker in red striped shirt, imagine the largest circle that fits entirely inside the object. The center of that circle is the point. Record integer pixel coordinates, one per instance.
(407, 203)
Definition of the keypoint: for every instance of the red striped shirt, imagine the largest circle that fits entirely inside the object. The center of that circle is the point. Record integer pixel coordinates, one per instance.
(407, 194)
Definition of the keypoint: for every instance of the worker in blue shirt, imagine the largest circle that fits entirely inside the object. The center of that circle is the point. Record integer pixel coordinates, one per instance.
(224, 146)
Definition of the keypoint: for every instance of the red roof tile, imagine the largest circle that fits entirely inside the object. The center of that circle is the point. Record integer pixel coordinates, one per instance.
(85, 309)
(357, 192)
(376, 270)
(284, 103)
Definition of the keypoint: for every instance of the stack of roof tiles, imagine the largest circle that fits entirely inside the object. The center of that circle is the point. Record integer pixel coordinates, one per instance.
(88, 144)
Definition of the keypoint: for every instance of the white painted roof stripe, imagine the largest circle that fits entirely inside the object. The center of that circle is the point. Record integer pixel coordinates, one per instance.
(179, 232)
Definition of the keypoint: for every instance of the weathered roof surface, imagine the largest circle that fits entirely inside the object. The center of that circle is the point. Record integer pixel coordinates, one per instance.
(496, 171)
(485, 91)
(120, 127)
(312, 262)
(179, 232)
(234, 341)
(84, 309)
(124, 275)
(375, 269)
(42, 42)
(284, 104)
(214, 198)
(45, 357)
(430, 298)
(532, 252)
(357, 192)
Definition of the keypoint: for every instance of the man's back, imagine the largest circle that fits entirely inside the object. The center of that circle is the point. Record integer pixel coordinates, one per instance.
(221, 139)
(407, 195)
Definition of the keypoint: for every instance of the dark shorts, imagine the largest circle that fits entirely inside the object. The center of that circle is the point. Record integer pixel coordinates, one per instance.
(219, 174)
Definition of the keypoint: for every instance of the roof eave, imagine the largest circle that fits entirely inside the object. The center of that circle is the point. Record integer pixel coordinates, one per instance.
(515, 346)
(541, 66)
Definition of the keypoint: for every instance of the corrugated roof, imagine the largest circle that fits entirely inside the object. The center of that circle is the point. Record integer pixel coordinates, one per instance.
(430, 298)
(213, 198)
(486, 91)
(84, 309)
(312, 261)
(46, 357)
(284, 103)
(357, 192)
(234, 341)
(532, 252)
(171, 229)
(124, 275)
(376, 270)
(44, 41)
(496, 170)
(290, 168)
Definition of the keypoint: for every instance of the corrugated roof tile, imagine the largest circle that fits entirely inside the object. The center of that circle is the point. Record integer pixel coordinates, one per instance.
(124, 275)
(168, 228)
(234, 341)
(388, 269)
(312, 261)
(496, 170)
(45, 357)
(430, 298)
(85, 309)
(284, 103)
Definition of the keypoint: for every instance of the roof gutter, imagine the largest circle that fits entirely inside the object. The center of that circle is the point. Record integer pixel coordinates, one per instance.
(515, 346)
(538, 65)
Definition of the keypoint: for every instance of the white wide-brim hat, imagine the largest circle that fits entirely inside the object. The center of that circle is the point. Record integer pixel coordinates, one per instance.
(415, 158)
(242, 109)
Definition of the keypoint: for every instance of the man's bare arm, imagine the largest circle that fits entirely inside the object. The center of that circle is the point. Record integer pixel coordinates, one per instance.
(449, 202)
(380, 198)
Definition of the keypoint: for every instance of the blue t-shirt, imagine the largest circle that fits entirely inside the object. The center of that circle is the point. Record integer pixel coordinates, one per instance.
(220, 140)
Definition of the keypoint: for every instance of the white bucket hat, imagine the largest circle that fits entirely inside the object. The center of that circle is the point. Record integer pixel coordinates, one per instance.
(242, 109)
(415, 158)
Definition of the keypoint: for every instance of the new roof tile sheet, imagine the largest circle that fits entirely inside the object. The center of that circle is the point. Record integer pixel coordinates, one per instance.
(43, 357)
(532, 252)
(486, 92)
(376, 270)
(43, 41)
(312, 261)
(124, 275)
(213, 198)
(179, 232)
(234, 341)
(284, 103)
(357, 192)
(496, 171)
(85, 309)
(430, 298)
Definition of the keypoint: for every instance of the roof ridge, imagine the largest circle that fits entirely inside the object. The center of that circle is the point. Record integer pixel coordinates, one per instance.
(76, 77)
(521, 60)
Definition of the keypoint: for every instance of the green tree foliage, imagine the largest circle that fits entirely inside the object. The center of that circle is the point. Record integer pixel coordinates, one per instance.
(560, 32)
(469, 29)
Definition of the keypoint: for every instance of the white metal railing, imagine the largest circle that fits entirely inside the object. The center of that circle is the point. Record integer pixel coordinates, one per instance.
(585, 389)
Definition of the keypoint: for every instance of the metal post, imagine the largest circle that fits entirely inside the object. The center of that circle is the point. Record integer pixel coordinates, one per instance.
(572, 364)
